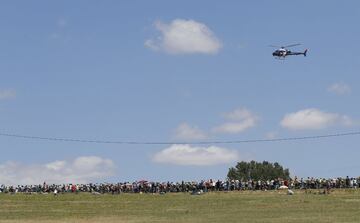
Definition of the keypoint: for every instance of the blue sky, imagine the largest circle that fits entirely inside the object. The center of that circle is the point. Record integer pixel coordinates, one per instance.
(137, 71)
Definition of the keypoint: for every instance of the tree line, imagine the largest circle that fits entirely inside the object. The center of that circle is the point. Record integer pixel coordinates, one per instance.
(258, 171)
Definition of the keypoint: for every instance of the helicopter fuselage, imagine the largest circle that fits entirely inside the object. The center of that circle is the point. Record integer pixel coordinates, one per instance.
(282, 53)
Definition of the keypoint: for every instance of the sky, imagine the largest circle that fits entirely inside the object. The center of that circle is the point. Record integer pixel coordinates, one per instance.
(179, 71)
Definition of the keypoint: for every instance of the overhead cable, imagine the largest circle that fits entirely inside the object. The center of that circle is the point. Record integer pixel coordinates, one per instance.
(310, 137)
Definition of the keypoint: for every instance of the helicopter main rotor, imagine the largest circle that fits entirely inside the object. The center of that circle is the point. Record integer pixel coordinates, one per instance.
(283, 47)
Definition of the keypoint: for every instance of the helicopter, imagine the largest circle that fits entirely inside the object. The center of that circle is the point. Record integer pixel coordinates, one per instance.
(282, 52)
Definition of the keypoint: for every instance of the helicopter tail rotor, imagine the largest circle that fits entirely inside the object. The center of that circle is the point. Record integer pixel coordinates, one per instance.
(305, 52)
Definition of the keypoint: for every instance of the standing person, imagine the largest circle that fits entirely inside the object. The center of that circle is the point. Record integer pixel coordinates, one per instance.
(286, 183)
(347, 182)
(44, 187)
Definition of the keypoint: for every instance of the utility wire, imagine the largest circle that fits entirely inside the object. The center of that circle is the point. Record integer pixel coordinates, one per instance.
(313, 137)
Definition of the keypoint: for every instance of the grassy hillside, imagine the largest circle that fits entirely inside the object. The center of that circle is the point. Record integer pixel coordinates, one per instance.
(254, 206)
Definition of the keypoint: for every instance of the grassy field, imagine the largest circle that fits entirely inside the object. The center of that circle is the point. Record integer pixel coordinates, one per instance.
(254, 206)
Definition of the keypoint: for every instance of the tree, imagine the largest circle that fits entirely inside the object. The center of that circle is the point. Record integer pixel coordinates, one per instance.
(257, 171)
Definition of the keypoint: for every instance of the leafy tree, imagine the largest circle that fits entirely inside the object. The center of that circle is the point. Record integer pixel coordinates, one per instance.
(257, 171)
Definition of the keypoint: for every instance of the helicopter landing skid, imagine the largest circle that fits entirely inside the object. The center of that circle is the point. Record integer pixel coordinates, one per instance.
(280, 58)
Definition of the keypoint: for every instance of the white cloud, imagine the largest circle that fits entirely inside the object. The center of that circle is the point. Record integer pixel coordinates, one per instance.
(60, 30)
(151, 45)
(186, 132)
(6, 94)
(271, 135)
(80, 170)
(56, 165)
(313, 118)
(184, 37)
(195, 156)
(61, 22)
(239, 120)
(339, 88)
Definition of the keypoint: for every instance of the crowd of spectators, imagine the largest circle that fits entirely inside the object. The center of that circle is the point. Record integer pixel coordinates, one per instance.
(168, 187)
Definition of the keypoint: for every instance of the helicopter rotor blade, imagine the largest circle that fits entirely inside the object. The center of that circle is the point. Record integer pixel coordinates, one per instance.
(297, 44)
(274, 46)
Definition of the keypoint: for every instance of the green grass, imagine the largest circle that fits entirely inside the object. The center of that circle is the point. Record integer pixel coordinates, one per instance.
(257, 206)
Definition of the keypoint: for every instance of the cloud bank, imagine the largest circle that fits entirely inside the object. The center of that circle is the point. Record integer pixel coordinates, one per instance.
(312, 118)
(186, 132)
(195, 156)
(184, 37)
(6, 94)
(339, 88)
(83, 169)
(238, 121)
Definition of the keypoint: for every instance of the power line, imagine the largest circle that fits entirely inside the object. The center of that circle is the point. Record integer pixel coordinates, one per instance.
(313, 137)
